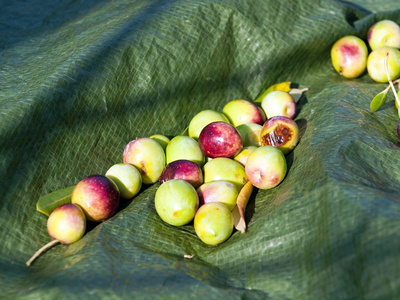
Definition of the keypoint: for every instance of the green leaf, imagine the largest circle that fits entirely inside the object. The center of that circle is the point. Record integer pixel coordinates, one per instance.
(50, 202)
(379, 100)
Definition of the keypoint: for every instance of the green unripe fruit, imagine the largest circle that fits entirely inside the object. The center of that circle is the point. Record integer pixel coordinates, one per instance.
(176, 202)
(213, 223)
(384, 33)
(376, 64)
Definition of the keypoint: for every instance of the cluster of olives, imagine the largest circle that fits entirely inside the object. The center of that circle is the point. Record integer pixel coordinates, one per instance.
(206, 174)
(350, 55)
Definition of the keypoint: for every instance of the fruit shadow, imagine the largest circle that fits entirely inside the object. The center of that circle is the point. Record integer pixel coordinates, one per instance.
(302, 124)
(251, 207)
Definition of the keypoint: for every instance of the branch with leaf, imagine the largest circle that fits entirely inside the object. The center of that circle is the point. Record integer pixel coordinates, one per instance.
(380, 99)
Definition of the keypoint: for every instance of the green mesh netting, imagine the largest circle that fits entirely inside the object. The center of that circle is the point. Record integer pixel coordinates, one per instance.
(80, 79)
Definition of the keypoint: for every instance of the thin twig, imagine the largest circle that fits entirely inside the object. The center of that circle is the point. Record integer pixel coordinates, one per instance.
(391, 83)
(41, 250)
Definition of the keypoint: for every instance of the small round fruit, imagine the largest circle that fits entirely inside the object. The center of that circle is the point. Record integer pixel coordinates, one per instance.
(244, 154)
(250, 133)
(384, 33)
(202, 119)
(183, 169)
(222, 168)
(280, 132)
(176, 202)
(127, 178)
(220, 139)
(67, 223)
(266, 167)
(161, 139)
(184, 147)
(349, 56)
(218, 191)
(242, 112)
(98, 197)
(279, 103)
(213, 223)
(147, 155)
(376, 64)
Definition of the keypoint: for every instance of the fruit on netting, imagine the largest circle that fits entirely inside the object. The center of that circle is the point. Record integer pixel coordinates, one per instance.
(176, 202)
(281, 132)
(202, 119)
(213, 223)
(384, 33)
(220, 139)
(280, 86)
(250, 133)
(279, 103)
(184, 147)
(161, 139)
(218, 191)
(98, 196)
(183, 169)
(148, 156)
(128, 179)
(244, 154)
(242, 111)
(266, 167)
(349, 56)
(222, 168)
(66, 224)
(376, 64)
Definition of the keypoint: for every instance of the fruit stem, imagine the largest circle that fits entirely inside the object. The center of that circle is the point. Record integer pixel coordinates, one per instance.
(41, 250)
(391, 83)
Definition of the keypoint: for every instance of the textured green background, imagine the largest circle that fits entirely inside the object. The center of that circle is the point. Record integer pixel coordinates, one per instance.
(80, 79)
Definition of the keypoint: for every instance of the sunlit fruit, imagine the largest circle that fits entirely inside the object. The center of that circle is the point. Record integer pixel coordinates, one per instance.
(148, 156)
(183, 169)
(244, 154)
(176, 202)
(67, 223)
(266, 167)
(220, 139)
(203, 118)
(279, 103)
(98, 197)
(184, 147)
(161, 139)
(250, 133)
(218, 191)
(376, 64)
(222, 168)
(384, 33)
(213, 223)
(349, 56)
(242, 111)
(280, 132)
(128, 179)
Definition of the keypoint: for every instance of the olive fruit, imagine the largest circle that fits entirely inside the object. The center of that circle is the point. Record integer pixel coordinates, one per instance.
(349, 56)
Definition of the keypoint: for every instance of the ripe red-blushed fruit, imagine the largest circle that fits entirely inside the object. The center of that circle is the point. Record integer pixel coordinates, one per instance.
(183, 169)
(220, 139)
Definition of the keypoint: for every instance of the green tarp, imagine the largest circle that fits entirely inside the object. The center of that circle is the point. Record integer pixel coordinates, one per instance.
(80, 79)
